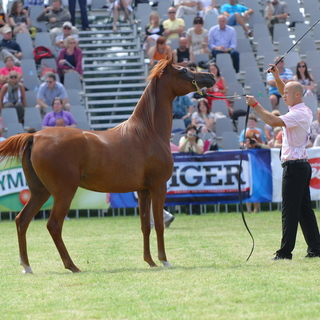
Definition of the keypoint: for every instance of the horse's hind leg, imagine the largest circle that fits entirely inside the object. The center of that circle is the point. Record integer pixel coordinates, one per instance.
(144, 207)
(39, 195)
(58, 213)
(23, 220)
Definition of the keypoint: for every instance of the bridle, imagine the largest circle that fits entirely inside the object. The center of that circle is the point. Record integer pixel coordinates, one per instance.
(205, 94)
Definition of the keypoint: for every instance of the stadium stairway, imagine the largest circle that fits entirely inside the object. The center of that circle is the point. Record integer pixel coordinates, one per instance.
(114, 72)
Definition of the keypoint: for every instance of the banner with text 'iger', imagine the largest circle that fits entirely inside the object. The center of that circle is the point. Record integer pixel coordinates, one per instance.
(213, 178)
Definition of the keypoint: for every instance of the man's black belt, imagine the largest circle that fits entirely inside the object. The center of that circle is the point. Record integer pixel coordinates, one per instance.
(286, 163)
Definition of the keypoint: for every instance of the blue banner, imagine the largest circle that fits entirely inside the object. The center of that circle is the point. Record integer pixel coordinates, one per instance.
(213, 178)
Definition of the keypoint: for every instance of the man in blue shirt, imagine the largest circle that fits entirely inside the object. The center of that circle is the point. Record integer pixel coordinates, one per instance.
(223, 39)
(8, 47)
(49, 90)
(237, 14)
(182, 108)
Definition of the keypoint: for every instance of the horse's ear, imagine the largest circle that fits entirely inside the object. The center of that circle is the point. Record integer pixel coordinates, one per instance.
(170, 59)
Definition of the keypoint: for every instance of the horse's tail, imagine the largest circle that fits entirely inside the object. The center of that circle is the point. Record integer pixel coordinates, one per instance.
(14, 146)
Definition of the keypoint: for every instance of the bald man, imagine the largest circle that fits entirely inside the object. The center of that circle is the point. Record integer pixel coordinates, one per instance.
(296, 202)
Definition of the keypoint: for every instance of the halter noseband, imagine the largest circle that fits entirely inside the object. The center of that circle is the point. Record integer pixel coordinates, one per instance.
(235, 96)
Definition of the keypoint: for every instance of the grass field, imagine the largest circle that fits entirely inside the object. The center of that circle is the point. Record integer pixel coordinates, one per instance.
(209, 278)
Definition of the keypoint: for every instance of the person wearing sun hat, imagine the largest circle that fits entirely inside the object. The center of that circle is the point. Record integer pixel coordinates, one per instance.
(66, 31)
(56, 16)
(8, 47)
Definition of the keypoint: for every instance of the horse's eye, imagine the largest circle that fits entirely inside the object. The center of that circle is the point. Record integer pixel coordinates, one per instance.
(184, 70)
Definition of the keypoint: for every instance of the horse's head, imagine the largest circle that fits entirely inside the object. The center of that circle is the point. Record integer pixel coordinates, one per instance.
(182, 80)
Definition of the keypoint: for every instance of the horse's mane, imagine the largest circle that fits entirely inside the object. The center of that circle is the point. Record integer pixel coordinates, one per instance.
(142, 119)
(158, 68)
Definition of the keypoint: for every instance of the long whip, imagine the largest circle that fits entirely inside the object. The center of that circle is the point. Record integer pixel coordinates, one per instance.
(276, 63)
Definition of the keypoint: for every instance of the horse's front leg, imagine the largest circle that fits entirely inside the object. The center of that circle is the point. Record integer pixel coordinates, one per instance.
(144, 208)
(158, 200)
(58, 213)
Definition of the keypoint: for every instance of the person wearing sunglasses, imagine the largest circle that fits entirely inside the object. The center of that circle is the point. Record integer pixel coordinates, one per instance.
(305, 78)
(56, 16)
(70, 58)
(49, 90)
(173, 27)
(66, 32)
(12, 95)
(197, 38)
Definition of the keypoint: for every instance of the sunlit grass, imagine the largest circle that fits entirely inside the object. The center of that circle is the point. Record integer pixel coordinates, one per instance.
(209, 278)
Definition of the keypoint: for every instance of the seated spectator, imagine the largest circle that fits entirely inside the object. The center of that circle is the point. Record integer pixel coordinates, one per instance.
(207, 7)
(50, 119)
(223, 39)
(60, 123)
(4, 18)
(186, 7)
(305, 78)
(66, 32)
(30, 3)
(49, 90)
(31, 130)
(4, 72)
(19, 18)
(278, 141)
(56, 16)
(315, 130)
(237, 14)
(70, 58)
(1, 130)
(276, 12)
(173, 27)
(274, 142)
(220, 87)
(197, 38)
(181, 55)
(191, 142)
(9, 47)
(286, 75)
(203, 119)
(153, 30)
(182, 108)
(115, 7)
(12, 95)
(268, 130)
(160, 51)
(252, 129)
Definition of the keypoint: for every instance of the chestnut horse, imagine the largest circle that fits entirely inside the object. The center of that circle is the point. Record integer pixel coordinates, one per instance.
(134, 156)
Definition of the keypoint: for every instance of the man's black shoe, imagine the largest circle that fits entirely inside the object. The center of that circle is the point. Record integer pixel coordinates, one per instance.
(313, 255)
(280, 258)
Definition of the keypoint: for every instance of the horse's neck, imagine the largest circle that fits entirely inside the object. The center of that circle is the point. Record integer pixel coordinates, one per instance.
(163, 113)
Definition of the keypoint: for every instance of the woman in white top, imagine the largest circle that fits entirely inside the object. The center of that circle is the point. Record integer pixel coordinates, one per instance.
(203, 119)
(197, 38)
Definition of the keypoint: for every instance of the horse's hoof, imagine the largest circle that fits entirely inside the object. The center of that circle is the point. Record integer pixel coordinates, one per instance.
(26, 270)
(166, 264)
